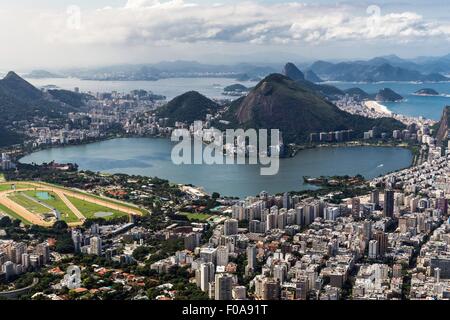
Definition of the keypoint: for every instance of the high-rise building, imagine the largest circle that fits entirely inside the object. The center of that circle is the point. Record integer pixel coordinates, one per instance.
(230, 227)
(382, 243)
(77, 238)
(271, 222)
(373, 249)
(367, 230)
(375, 198)
(96, 246)
(356, 206)
(223, 287)
(26, 261)
(9, 269)
(208, 255)
(442, 204)
(388, 209)
(251, 259)
(222, 256)
(280, 272)
(43, 251)
(239, 293)
(192, 241)
(206, 275)
(271, 290)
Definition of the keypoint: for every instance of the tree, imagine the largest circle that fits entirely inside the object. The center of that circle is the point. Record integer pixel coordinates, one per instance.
(5, 222)
(215, 195)
(59, 226)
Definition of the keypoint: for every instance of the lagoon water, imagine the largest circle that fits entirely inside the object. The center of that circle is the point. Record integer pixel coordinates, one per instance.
(151, 157)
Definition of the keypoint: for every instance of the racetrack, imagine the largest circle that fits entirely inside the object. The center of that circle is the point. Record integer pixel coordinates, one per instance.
(62, 193)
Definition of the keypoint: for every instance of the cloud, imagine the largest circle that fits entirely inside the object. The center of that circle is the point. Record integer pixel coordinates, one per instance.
(165, 22)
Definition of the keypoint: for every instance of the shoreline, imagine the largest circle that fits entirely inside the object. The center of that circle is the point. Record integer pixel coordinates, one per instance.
(378, 107)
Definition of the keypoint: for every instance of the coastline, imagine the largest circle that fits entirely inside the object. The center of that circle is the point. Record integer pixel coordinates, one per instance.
(378, 107)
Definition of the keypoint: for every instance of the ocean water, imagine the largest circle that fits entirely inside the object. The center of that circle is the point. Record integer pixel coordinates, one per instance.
(152, 157)
(429, 107)
(210, 87)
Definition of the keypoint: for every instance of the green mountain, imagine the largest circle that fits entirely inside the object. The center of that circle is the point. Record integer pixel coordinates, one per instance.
(19, 100)
(387, 94)
(70, 98)
(444, 125)
(188, 107)
(236, 88)
(357, 93)
(278, 102)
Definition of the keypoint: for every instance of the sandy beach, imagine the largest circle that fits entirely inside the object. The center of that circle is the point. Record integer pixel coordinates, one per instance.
(377, 107)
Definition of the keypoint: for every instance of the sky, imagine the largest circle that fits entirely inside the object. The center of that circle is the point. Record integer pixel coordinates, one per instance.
(55, 34)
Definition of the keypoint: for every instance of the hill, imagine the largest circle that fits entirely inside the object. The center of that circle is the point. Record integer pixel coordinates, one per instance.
(311, 76)
(71, 98)
(357, 93)
(19, 100)
(291, 71)
(188, 107)
(278, 102)
(236, 88)
(426, 92)
(389, 95)
(444, 125)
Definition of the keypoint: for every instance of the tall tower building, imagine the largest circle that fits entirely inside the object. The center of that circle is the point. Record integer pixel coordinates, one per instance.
(382, 243)
(251, 259)
(222, 256)
(223, 287)
(230, 227)
(206, 275)
(96, 246)
(388, 209)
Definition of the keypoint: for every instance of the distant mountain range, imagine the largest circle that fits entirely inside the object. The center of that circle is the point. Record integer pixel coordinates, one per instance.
(42, 74)
(19, 100)
(375, 70)
(385, 68)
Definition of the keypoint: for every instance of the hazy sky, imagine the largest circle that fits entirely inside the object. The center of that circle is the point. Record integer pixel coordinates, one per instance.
(67, 33)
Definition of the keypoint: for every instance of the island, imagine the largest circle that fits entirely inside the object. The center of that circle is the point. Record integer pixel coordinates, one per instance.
(426, 92)
(235, 90)
(388, 95)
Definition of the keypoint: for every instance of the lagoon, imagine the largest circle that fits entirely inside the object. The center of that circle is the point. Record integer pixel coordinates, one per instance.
(152, 157)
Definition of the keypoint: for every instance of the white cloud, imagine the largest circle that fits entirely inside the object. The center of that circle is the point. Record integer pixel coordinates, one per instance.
(164, 22)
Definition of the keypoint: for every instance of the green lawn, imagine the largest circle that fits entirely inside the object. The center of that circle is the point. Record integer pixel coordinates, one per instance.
(12, 214)
(66, 214)
(108, 199)
(196, 216)
(28, 204)
(6, 187)
(89, 209)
